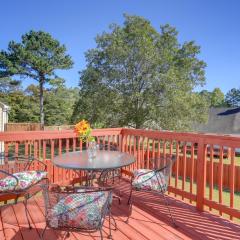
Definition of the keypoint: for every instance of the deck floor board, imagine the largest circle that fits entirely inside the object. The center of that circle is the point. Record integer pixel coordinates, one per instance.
(149, 221)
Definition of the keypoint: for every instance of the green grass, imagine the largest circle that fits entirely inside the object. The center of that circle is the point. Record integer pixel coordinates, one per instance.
(215, 197)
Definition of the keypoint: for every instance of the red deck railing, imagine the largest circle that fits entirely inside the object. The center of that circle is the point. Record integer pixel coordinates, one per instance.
(206, 172)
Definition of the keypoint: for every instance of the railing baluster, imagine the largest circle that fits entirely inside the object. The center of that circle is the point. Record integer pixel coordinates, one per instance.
(55, 172)
(16, 148)
(60, 147)
(74, 144)
(122, 142)
(125, 143)
(108, 141)
(74, 149)
(6, 150)
(39, 149)
(148, 153)
(67, 145)
(134, 150)
(177, 165)
(170, 152)
(143, 157)
(63, 171)
(52, 149)
(80, 145)
(139, 152)
(154, 152)
(220, 179)
(184, 167)
(192, 169)
(130, 144)
(26, 149)
(44, 149)
(164, 149)
(201, 174)
(232, 178)
(158, 153)
(211, 173)
(35, 149)
(35, 153)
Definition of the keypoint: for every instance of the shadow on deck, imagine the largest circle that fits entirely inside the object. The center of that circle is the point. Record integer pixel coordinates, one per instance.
(149, 221)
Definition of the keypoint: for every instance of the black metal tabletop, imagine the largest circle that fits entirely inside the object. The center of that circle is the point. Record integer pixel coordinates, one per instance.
(104, 160)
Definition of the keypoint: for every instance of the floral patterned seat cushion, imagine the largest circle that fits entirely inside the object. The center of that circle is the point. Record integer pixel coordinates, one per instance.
(149, 181)
(25, 180)
(82, 210)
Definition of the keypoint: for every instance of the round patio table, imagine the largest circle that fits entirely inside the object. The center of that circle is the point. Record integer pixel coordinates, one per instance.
(104, 161)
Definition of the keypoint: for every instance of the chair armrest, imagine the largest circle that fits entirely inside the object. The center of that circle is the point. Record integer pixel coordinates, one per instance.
(95, 189)
(71, 189)
(32, 160)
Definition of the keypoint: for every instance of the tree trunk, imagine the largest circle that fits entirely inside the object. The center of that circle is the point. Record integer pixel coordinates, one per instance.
(41, 83)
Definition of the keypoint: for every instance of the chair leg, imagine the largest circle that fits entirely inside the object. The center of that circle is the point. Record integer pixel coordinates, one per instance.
(42, 234)
(27, 213)
(130, 203)
(67, 235)
(101, 235)
(130, 195)
(114, 221)
(109, 224)
(169, 210)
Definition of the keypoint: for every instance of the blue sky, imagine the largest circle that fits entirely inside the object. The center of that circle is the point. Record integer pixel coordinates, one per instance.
(214, 25)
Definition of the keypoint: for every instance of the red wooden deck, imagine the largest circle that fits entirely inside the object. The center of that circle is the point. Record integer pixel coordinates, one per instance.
(149, 221)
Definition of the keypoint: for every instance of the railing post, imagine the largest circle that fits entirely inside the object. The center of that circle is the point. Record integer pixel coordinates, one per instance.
(201, 174)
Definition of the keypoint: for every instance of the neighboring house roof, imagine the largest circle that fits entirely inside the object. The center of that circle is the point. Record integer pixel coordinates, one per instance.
(4, 106)
(222, 120)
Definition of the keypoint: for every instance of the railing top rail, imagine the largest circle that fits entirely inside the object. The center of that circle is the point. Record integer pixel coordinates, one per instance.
(40, 135)
(207, 138)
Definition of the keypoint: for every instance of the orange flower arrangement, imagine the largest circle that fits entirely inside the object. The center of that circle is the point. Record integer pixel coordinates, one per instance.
(84, 130)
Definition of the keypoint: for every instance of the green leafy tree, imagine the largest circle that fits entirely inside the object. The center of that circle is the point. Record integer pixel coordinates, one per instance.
(214, 98)
(37, 57)
(24, 107)
(232, 98)
(59, 104)
(217, 98)
(139, 77)
(8, 85)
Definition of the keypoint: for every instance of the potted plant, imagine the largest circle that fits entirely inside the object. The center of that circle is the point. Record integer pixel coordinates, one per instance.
(84, 132)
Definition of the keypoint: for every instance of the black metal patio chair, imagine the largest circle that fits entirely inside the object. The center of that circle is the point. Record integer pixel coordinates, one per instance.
(155, 180)
(82, 209)
(20, 177)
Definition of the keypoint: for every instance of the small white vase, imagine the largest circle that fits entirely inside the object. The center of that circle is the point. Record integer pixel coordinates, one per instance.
(92, 149)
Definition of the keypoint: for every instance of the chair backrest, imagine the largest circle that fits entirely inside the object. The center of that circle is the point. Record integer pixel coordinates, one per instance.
(80, 208)
(164, 166)
(161, 168)
(15, 163)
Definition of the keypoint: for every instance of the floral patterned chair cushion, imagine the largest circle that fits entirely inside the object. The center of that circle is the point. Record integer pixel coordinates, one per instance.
(149, 181)
(82, 210)
(25, 180)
